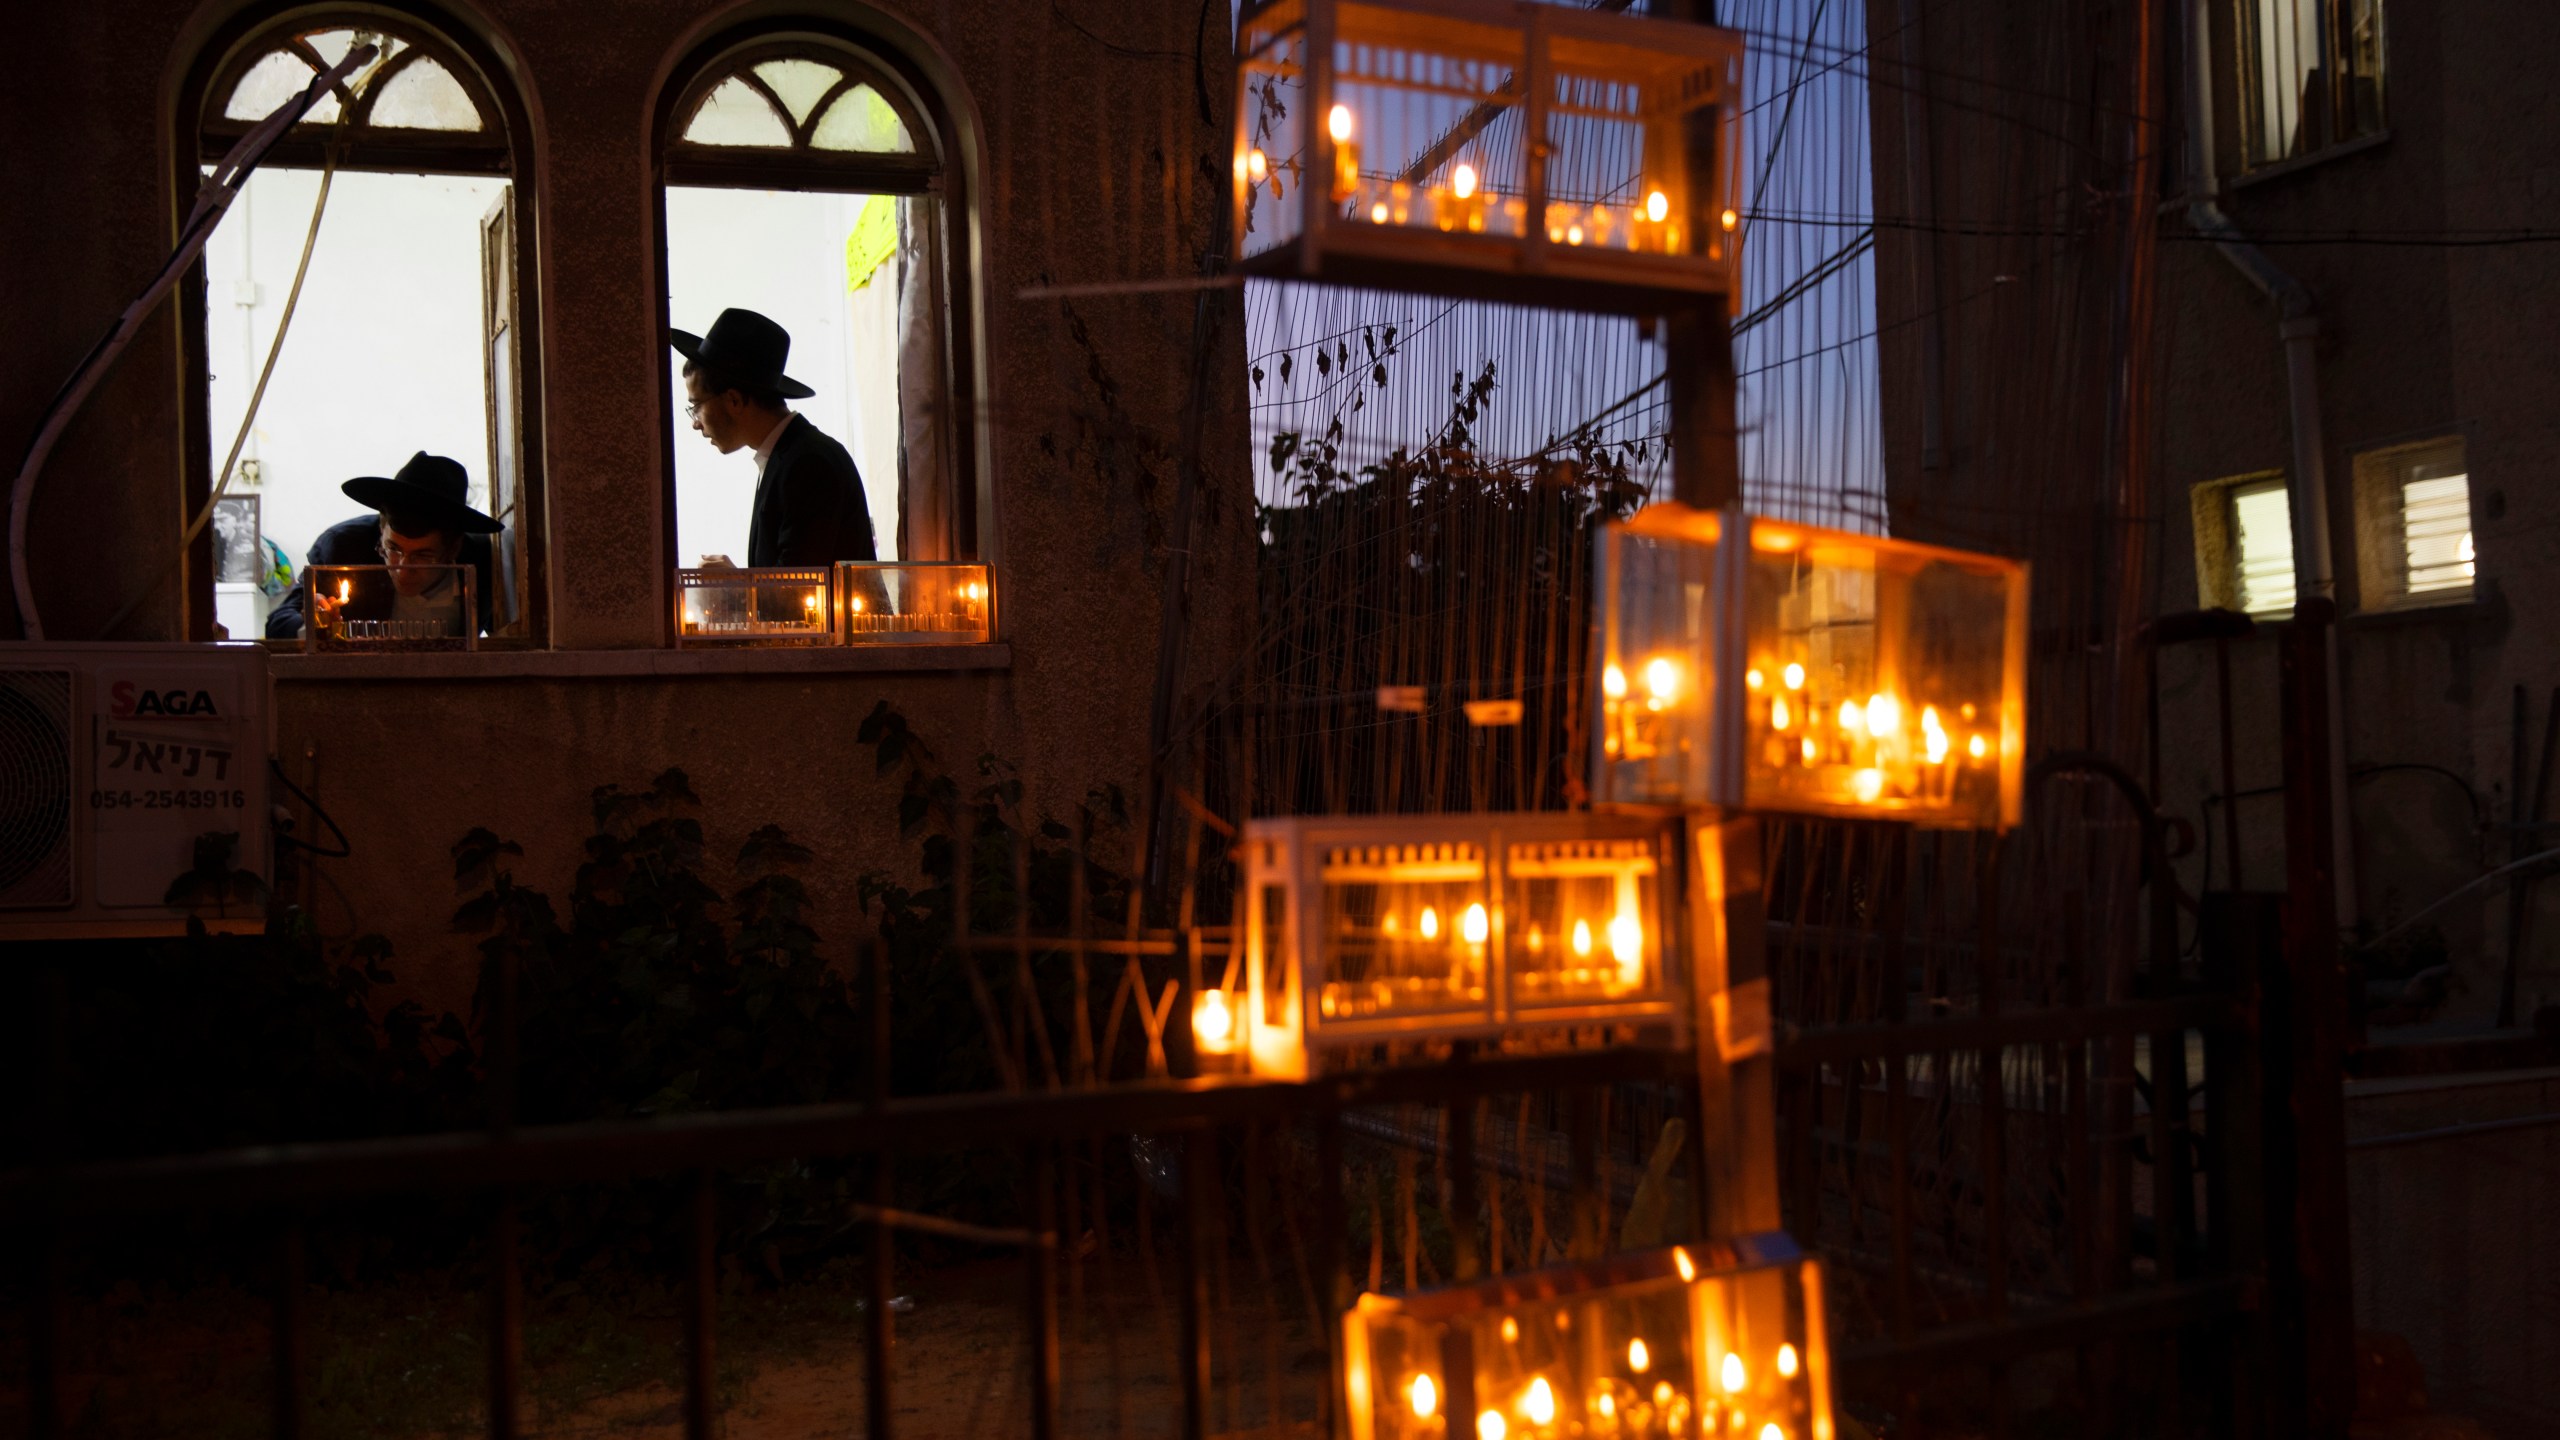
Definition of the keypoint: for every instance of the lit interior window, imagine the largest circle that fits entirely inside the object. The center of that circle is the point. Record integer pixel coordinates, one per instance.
(2435, 532)
(2262, 539)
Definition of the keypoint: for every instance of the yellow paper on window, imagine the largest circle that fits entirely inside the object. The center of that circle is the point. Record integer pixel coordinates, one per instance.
(873, 241)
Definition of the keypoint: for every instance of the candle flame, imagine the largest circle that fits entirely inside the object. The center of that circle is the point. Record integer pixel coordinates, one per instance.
(1884, 715)
(1257, 165)
(1573, 235)
(1733, 1375)
(1688, 1268)
(1378, 213)
(1639, 1359)
(1731, 219)
(1661, 677)
(1337, 123)
(1779, 716)
(1489, 1426)
(1424, 1396)
(1477, 928)
(1787, 1361)
(1212, 1021)
(1773, 1431)
(1656, 205)
(1867, 785)
(1510, 1330)
(1661, 1392)
(1851, 717)
(1462, 180)
(1539, 1404)
(1795, 677)
(1976, 748)
(1582, 937)
(1626, 941)
(1430, 923)
(857, 604)
(1753, 678)
(1605, 1405)
(1613, 683)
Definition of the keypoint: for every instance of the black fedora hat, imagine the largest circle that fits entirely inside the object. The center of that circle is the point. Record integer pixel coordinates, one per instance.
(746, 347)
(429, 486)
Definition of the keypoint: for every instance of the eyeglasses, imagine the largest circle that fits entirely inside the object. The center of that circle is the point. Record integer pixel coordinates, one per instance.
(693, 409)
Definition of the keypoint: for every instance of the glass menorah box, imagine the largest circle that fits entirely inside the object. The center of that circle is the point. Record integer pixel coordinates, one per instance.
(1761, 665)
(917, 602)
(387, 609)
(1362, 930)
(1713, 1340)
(1527, 152)
(771, 607)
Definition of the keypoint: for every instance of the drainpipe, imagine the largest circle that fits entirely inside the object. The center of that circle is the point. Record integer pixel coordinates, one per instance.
(2298, 325)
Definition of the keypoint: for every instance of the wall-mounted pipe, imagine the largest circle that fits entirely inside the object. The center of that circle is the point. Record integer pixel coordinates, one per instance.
(2298, 326)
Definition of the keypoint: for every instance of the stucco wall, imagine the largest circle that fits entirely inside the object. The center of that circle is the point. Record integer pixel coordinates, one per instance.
(1093, 161)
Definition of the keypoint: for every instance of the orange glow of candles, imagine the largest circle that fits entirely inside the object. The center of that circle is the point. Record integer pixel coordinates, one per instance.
(1639, 1359)
(1732, 1374)
(1476, 928)
(1539, 1402)
(1430, 923)
(1423, 1396)
(1787, 1362)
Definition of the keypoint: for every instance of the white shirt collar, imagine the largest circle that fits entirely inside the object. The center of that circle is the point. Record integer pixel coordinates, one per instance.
(764, 447)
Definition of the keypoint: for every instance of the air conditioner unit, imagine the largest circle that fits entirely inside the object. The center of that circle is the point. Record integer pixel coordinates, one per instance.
(115, 762)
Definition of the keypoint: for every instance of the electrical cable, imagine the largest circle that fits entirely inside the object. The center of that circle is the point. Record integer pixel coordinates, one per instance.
(345, 847)
(257, 393)
(219, 190)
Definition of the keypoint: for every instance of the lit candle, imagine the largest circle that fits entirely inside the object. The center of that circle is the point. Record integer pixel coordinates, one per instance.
(1477, 927)
(1639, 1359)
(1489, 1426)
(1867, 785)
(1787, 1361)
(1510, 1330)
(1257, 166)
(1731, 220)
(1424, 1396)
(1539, 1402)
(1613, 683)
(1884, 715)
(1626, 942)
(1582, 940)
(1430, 923)
(1851, 717)
(1346, 155)
(1795, 677)
(1732, 1374)
(1975, 748)
(1213, 1022)
(1779, 716)
(1688, 1267)
(1662, 678)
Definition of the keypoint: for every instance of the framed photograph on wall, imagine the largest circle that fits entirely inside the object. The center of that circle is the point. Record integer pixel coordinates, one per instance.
(239, 556)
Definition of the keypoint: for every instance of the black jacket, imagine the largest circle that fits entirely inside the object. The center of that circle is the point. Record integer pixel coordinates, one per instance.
(809, 507)
(359, 542)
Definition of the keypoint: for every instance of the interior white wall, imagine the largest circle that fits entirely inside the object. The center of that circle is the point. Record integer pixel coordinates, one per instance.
(783, 255)
(383, 359)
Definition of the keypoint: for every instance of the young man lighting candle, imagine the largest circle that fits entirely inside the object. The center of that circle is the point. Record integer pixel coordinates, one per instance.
(421, 522)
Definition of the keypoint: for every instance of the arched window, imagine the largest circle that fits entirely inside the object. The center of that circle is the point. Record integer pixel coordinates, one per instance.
(807, 177)
(407, 334)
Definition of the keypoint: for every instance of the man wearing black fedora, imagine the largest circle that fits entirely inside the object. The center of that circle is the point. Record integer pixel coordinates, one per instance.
(809, 505)
(422, 520)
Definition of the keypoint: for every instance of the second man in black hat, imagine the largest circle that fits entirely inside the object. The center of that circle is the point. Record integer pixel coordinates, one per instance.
(809, 505)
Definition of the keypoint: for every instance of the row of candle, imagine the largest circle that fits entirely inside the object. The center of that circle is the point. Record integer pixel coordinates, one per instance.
(1863, 747)
(880, 622)
(377, 631)
(1463, 203)
(1617, 1405)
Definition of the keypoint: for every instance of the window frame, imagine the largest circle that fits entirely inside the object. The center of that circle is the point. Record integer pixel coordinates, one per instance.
(940, 169)
(2332, 138)
(226, 54)
(2382, 557)
(2212, 506)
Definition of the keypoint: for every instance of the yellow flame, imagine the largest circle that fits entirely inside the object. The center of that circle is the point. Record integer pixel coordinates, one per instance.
(342, 592)
(1753, 678)
(1688, 1268)
(1656, 205)
(1662, 1392)
(1795, 677)
(1733, 1375)
(1257, 165)
(1430, 923)
(1661, 677)
(1975, 748)
(1867, 785)
(1582, 937)
(1212, 1021)
(1378, 213)
(1787, 1361)
(1639, 1359)
(857, 604)
(1510, 1330)
(1613, 683)
(1539, 1404)
(1773, 1431)
(1851, 717)
(1731, 219)
(1573, 234)
(1809, 750)
(1423, 1396)
(1489, 1426)
(1477, 928)
(1462, 180)
(1605, 1405)
(1884, 715)
(1779, 716)
(1626, 941)
(1337, 123)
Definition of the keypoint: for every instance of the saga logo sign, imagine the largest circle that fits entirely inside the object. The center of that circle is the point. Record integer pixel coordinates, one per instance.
(129, 701)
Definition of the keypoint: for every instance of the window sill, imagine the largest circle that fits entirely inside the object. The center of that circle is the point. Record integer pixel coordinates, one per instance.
(641, 664)
(2452, 612)
(2294, 165)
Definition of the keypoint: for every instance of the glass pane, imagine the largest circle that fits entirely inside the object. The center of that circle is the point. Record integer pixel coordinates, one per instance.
(862, 120)
(425, 96)
(735, 114)
(2262, 522)
(1405, 931)
(271, 82)
(333, 45)
(2435, 525)
(800, 83)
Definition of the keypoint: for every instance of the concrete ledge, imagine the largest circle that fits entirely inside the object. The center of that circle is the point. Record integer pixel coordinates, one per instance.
(629, 664)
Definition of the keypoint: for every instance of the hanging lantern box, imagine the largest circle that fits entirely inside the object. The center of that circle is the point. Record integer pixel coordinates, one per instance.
(1712, 1340)
(364, 616)
(1369, 930)
(761, 608)
(1534, 153)
(1759, 665)
(914, 602)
